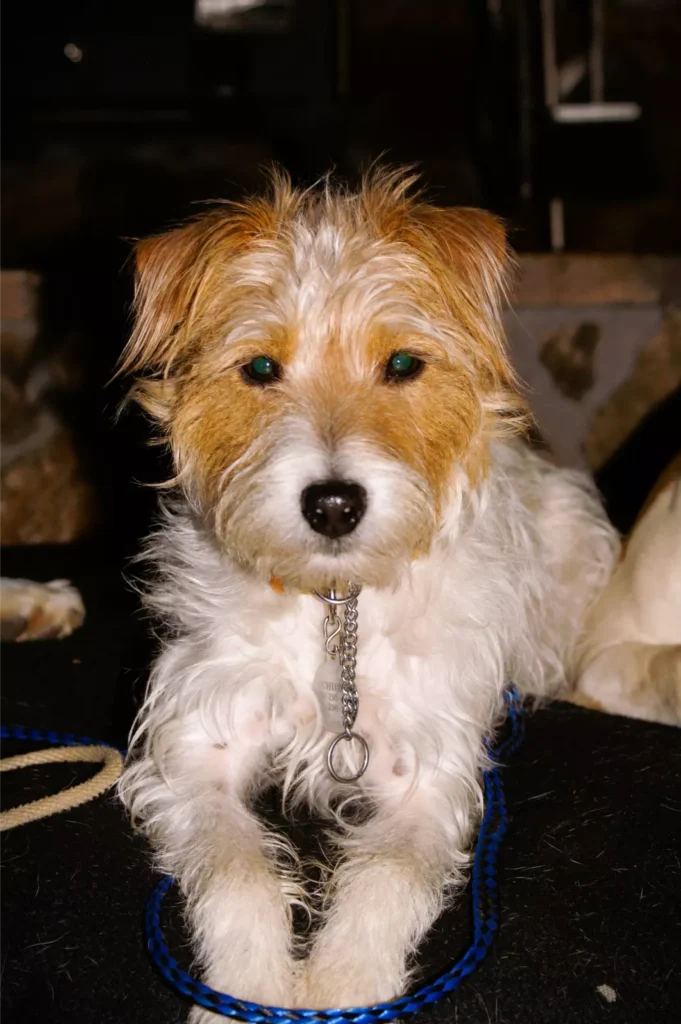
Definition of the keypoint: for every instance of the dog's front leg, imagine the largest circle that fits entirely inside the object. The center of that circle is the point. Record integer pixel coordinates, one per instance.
(388, 890)
(234, 873)
(239, 907)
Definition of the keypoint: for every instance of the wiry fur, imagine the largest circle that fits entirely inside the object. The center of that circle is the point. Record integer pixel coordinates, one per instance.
(478, 561)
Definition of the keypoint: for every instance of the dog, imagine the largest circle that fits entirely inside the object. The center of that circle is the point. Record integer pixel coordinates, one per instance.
(328, 368)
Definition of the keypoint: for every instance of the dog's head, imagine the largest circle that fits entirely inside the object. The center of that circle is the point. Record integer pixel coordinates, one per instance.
(328, 368)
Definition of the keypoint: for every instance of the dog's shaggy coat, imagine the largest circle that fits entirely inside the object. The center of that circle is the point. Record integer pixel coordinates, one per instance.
(478, 561)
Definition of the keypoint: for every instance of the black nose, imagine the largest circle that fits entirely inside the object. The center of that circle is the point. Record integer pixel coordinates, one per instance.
(334, 507)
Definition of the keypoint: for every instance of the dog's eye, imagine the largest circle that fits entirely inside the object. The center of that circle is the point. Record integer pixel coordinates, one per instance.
(402, 366)
(261, 370)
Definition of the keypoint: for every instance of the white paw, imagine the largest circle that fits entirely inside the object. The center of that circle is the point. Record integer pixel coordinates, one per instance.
(278, 986)
(349, 982)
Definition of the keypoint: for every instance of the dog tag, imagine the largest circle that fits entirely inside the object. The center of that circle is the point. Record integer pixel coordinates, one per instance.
(327, 685)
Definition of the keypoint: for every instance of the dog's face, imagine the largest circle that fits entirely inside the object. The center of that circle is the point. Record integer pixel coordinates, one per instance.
(327, 368)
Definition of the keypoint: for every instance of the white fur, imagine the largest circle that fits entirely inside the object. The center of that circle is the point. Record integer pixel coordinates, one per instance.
(501, 595)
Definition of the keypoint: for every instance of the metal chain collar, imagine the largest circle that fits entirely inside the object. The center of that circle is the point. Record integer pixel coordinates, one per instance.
(345, 631)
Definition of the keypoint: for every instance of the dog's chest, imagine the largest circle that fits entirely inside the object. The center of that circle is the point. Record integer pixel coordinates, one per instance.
(300, 700)
(405, 682)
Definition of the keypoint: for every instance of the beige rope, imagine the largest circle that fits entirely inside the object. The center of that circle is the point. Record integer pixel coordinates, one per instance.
(74, 796)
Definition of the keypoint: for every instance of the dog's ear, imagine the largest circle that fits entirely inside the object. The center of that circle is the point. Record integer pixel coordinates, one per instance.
(471, 247)
(169, 270)
(179, 274)
(467, 251)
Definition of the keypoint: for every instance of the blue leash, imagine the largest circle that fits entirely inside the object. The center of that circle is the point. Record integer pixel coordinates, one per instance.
(63, 739)
(485, 902)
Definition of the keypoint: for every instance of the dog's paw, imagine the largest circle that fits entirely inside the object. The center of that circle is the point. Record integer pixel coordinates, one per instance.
(199, 1015)
(349, 982)
(254, 983)
(39, 611)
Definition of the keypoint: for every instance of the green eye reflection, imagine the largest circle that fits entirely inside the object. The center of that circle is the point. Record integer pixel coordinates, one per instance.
(402, 366)
(261, 370)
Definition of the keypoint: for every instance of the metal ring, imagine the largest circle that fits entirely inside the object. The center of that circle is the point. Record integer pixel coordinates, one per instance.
(337, 601)
(349, 736)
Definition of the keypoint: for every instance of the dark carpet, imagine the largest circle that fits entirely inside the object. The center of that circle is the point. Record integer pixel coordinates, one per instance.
(590, 873)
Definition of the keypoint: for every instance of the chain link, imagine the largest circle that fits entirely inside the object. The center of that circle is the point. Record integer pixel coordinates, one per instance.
(348, 656)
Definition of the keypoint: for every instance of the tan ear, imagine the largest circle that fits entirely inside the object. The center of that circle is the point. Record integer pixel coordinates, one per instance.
(466, 245)
(471, 245)
(468, 252)
(169, 272)
(177, 273)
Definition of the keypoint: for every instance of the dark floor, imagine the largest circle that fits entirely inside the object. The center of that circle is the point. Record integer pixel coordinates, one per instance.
(590, 870)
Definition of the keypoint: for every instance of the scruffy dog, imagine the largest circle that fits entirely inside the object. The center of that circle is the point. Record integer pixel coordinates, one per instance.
(329, 370)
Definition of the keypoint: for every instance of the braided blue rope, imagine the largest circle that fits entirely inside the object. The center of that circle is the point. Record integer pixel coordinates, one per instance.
(485, 923)
(484, 899)
(62, 739)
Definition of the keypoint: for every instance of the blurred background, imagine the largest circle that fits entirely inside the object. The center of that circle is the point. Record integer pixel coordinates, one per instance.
(118, 118)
